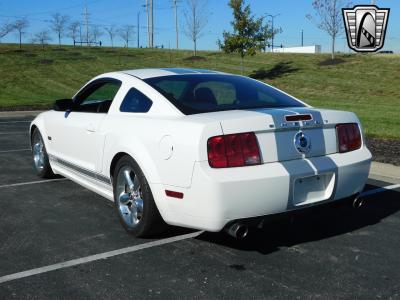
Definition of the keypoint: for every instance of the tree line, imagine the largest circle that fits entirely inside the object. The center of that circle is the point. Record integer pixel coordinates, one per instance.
(62, 27)
(249, 35)
(84, 34)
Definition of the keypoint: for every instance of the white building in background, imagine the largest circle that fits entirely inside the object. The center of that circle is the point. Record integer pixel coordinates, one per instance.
(305, 49)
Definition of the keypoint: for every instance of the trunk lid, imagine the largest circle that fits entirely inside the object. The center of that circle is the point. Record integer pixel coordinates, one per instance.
(288, 134)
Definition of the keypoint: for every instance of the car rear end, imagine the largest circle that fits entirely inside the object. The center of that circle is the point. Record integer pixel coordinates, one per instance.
(259, 151)
(270, 161)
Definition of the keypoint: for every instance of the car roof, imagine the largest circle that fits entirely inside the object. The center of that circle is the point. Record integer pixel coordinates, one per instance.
(150, 73)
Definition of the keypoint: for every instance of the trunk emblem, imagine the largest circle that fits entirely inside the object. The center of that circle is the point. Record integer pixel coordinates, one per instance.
(302, 142)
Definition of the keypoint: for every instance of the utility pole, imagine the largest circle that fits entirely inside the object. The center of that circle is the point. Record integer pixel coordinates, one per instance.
(80, 32)
(86, 16)
(302, 37)
(148, 23)
(138, 29)
(272, 24)
(176, 24)
(152, 23)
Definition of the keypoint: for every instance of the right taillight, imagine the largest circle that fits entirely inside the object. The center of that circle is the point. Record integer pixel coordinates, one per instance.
(349, 137)
(233, 150)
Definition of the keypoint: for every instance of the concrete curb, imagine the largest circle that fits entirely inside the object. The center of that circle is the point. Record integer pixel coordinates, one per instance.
(19, 114)
(385, 172)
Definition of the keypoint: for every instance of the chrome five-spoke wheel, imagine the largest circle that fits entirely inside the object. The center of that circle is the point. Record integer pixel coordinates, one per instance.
(129, 196)
(134, 201)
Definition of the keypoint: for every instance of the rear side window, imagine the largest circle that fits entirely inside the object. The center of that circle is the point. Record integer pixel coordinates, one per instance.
(135, 102)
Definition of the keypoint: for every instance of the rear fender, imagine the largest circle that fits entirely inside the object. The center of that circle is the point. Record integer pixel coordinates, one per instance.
(147, 166)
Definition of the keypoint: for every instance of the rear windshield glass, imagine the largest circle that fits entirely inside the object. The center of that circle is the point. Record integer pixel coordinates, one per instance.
(200, 93)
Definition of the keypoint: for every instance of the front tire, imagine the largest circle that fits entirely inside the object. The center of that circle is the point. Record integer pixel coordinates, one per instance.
(40, 156)
(133, 200)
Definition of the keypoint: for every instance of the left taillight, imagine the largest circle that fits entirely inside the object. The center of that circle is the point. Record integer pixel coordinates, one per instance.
(349, 137)
(233, 150)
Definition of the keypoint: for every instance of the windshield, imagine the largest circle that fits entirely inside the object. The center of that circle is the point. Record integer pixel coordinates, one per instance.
(200, 93)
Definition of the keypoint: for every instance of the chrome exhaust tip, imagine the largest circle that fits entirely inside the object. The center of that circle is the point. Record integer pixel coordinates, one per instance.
(237, 230)
(358, 202)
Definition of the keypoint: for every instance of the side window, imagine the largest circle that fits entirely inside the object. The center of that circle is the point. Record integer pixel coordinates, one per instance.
(135, 102)
(98, 97)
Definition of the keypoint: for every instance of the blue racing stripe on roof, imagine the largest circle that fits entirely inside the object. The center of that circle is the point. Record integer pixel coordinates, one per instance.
(180, 70)
(205, 71)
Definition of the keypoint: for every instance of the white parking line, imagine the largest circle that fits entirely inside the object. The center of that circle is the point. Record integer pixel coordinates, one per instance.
(380, 190)
(32, 182)
(135, 248)
(99, 256)
(15, 150)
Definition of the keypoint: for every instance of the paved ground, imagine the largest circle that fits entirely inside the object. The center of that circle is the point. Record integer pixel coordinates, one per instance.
(330, 254)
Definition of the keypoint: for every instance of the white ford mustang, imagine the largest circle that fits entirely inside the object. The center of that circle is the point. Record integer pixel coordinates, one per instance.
(199, 149)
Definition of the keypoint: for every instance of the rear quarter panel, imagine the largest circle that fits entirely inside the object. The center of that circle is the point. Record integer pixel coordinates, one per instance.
(165, 149)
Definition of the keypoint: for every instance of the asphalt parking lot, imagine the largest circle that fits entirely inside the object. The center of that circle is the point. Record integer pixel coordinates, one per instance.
(58, 240)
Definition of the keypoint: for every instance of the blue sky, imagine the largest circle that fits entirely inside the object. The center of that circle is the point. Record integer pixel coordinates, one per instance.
(120, 12)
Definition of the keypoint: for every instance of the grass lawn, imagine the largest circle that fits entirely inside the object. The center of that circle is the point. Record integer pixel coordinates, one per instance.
(366, 84)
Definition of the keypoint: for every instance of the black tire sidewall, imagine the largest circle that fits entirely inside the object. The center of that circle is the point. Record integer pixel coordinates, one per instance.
(46, 172)
(151, 220)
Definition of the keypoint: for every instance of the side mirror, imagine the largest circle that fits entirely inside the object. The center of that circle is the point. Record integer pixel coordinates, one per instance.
(62, 105)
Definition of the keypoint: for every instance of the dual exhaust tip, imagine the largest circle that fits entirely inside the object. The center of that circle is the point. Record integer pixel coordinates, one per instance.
(358, 202)
(239, 230)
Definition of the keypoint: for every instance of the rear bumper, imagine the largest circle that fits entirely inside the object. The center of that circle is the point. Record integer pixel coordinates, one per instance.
(260, 221)
(219, 196)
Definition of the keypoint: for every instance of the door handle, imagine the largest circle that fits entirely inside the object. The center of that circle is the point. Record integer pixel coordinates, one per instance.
(90, 128)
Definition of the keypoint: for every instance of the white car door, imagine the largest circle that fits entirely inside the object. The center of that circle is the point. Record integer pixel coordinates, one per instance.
(77, 140)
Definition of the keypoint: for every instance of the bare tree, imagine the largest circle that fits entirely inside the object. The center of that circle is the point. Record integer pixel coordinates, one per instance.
(58, 25)
(126, 33)
(73, 30)
(328, 17)
(5, 29)
(20, 26)
(195, 20)
(111, 31)
(42, 37)
(95, 33)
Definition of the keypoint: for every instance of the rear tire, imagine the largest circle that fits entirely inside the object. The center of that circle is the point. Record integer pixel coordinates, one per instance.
(40, 157)
(133, 200)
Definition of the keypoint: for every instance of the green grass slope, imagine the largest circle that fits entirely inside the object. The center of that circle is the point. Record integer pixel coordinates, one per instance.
(366, 84)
